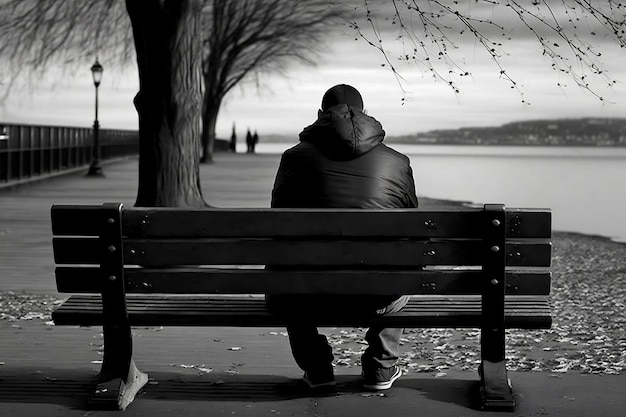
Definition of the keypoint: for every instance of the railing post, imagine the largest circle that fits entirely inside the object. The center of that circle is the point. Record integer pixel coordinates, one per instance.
(20, 150)
(54, 149)
(46, 150)
(35, 151)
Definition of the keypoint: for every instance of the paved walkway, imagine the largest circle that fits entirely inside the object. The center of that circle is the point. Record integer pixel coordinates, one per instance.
(48, 371)
(26, 262)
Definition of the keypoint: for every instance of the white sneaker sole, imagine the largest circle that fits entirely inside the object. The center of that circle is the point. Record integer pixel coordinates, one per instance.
(378, 386)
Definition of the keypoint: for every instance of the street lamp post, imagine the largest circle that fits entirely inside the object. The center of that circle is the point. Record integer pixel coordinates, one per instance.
(94, 169)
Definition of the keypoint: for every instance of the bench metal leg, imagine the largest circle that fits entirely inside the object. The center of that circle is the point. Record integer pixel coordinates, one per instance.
(116, 393)
(495, 387)
(119, 380)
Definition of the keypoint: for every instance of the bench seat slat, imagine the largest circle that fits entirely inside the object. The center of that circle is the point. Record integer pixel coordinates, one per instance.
(259, 281)
(300, 252)
(166, 222)
(460, 312)
(171, 222)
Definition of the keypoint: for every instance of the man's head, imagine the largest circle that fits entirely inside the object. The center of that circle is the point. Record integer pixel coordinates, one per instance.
(342, 94)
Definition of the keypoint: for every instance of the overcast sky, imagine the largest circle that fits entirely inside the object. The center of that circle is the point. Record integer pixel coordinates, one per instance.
(284, 105)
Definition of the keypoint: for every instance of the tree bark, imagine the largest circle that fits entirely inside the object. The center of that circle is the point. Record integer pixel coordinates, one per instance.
(209, 121)
(167, 36)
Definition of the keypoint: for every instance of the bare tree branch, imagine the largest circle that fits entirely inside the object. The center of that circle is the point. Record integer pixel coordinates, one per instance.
(256, 36)
(251, 37)
(66, 34)
(430, 31)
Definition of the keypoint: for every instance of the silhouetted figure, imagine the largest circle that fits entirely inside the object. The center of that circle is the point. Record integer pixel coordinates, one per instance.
(233, 140)
(341, 162)
(249, 140)
(255, 140)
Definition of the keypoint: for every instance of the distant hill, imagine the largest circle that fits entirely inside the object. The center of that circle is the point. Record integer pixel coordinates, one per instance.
(558, 132)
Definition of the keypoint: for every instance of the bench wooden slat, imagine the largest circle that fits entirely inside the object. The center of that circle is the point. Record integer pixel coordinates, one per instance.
(164, 222)
(298, 222)
(76, 250)
(75, 220)
(454, 312)
(71, 220)
(260, 281)
(299, 252)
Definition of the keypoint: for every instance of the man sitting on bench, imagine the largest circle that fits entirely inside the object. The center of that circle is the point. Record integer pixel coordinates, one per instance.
(341, 162)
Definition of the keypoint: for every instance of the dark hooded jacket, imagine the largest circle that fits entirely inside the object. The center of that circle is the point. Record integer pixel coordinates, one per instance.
(341, 162)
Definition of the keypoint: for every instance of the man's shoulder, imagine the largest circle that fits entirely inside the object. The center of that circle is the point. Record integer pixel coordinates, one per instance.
(306, 151)
(299, 149)
(389, 151)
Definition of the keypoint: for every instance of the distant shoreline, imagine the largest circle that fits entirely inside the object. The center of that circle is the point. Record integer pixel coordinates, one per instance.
(391, 141)
(519, 145)
(584, 131)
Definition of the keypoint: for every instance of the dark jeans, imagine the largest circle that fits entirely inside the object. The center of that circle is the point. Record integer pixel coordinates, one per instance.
(311, 350)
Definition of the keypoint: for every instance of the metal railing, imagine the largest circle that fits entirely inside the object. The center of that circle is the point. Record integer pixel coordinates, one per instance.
(31, 151)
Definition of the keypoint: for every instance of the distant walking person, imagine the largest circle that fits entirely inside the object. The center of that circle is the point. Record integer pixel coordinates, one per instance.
(233, 140)
(249, 147)
(341, 162)
(255, 141)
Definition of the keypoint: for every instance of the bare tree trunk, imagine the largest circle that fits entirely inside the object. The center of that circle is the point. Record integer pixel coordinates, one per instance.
(209, 121)
(167, 40)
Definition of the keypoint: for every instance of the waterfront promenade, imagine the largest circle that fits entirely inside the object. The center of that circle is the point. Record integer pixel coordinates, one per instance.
(47, 370)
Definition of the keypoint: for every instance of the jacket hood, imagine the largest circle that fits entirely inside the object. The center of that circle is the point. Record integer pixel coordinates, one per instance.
(344, 132)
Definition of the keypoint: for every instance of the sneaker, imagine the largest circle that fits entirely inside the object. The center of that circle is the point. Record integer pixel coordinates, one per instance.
(383, 378)
(316, 381)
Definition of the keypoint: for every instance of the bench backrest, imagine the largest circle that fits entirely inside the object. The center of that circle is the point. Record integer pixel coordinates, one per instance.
(489, 251)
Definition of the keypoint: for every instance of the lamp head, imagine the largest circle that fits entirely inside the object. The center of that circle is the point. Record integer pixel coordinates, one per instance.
(96, 72)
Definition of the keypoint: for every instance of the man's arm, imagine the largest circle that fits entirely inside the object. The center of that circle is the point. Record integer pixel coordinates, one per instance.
(410, 195)
(290, 186)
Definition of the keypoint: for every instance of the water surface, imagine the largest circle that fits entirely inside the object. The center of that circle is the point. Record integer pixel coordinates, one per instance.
(584, 187)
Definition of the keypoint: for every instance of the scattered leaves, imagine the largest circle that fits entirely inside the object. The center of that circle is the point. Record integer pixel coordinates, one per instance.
(589, 313)
(21, 306)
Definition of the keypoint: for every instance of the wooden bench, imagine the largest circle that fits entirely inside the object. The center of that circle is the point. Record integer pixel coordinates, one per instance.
(485, 268)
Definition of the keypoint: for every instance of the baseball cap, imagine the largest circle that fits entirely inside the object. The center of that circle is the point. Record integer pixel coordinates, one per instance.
(342, 94)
